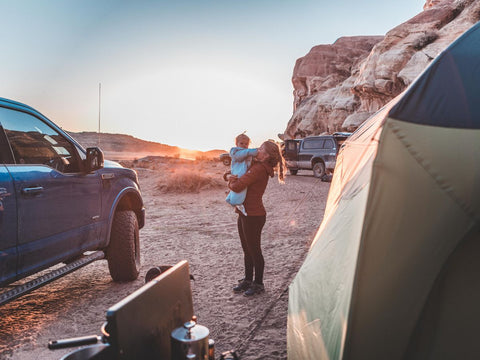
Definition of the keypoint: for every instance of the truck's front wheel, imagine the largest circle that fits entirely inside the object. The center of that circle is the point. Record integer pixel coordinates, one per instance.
(318, 169)
(123, 252)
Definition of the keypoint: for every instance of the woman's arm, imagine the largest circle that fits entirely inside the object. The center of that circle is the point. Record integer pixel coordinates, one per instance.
(252, 175)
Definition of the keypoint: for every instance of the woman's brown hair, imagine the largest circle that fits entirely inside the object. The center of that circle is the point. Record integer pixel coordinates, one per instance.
(275, 159)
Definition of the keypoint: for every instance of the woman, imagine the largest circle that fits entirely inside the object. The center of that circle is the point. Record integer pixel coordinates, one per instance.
(268, 159)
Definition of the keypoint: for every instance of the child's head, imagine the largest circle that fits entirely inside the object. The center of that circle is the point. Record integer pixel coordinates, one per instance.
(242, 141)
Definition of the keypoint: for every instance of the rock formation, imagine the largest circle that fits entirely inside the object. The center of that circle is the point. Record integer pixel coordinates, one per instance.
(338, 86)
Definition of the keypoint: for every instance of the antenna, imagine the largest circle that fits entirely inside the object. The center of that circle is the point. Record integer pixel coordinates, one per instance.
(99, 110)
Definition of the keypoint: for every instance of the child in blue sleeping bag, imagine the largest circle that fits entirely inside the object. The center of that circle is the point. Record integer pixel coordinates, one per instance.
(241, 157)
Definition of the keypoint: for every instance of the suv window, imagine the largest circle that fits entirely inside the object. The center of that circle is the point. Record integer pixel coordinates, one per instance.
(313, 144)
(328, 144)
(34, 142)
(291, 145)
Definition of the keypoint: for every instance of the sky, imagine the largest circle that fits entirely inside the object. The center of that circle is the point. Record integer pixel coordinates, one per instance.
(187, 73)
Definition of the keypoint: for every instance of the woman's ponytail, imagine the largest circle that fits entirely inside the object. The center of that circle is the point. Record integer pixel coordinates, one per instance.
(276, 159)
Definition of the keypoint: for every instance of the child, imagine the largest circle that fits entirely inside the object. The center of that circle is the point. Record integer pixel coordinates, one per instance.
(241, 160)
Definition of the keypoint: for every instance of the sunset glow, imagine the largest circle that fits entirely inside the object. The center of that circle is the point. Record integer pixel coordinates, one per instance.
(186, 73)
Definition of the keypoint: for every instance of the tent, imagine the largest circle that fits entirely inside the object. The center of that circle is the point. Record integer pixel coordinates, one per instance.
(394, 269)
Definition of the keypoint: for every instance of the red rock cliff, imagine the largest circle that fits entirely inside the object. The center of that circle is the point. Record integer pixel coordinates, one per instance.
(338, 86)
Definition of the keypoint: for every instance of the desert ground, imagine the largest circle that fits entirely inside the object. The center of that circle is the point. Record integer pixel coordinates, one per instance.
(196, 226)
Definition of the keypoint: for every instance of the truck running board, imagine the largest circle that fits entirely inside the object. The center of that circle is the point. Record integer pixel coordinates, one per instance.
(40, 281)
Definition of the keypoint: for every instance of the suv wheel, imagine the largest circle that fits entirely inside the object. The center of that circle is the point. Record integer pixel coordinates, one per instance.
(123, 252)
(292, 171)
(318, 169)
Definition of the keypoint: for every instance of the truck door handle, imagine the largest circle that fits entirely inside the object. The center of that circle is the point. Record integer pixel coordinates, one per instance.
(32, 190)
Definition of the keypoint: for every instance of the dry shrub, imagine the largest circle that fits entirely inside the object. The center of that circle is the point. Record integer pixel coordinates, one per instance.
(201, 158)
(127, 163)
(184, 181)
(146, 165)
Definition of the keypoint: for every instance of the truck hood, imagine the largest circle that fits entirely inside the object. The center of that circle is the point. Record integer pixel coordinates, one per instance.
(113, 166)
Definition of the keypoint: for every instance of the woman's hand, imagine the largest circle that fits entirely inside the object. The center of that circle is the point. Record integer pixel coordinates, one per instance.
(231, 180)
(227, 176)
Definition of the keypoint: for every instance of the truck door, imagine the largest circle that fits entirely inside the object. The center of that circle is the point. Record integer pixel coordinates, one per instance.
(329, 153)
(291, 150)
(310, 148)
(8, 217)
(58, 206)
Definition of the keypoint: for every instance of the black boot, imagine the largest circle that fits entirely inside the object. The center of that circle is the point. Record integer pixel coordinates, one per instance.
(254, 288)
(242, 286)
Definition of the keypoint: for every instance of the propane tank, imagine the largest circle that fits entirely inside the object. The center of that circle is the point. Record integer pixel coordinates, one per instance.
(190, 341)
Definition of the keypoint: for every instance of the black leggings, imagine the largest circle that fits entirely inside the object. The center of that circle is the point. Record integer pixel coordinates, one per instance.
(250, 231)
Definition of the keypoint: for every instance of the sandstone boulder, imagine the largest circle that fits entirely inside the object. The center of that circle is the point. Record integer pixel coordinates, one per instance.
(338, 86)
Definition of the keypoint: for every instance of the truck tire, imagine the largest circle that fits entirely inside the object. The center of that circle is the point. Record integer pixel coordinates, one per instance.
(293, 171)
(318, 169)
(123, 251)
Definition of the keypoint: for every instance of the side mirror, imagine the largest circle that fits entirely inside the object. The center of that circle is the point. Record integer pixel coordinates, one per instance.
(94, 159)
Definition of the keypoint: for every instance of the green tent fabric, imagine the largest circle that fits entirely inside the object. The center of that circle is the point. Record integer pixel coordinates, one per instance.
(394, 270)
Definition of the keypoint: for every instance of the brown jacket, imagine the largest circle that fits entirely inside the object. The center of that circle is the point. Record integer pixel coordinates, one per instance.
(256, 179)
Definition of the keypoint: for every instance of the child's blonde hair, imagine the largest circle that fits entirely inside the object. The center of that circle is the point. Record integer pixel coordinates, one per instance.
(242, 136)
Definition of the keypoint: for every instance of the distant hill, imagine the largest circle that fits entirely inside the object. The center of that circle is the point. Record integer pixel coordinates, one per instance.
(126, 146)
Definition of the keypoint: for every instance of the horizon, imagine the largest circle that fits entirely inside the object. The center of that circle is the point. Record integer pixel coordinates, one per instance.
(186, 74)
(94, 133)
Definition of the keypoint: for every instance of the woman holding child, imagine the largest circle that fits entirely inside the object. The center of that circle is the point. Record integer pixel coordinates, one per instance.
(268, 159)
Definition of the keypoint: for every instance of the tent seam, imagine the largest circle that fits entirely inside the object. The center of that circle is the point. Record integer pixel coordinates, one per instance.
(439, 180)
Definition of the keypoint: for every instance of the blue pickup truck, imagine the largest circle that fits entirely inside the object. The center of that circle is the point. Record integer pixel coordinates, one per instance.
(60, 202)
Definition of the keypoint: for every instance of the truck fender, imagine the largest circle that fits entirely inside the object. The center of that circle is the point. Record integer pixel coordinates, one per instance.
(127, 199)
(317, 159)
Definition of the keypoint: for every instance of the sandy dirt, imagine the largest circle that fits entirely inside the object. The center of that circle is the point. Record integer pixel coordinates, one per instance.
(201, 228)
